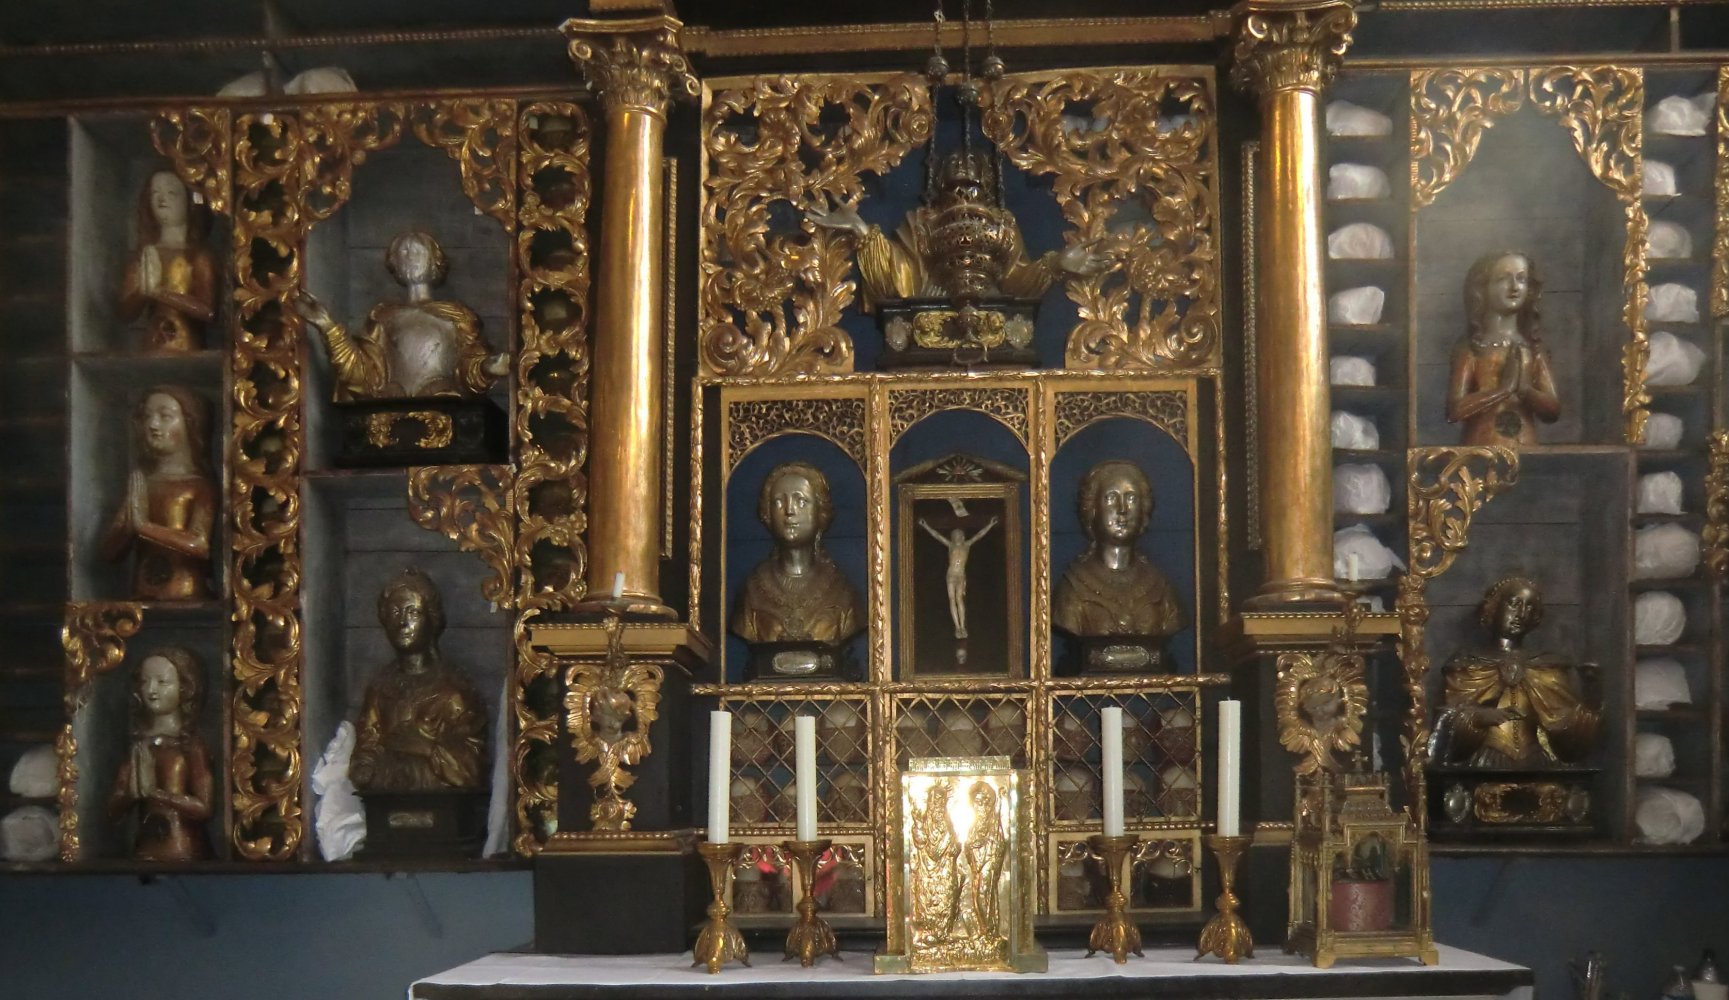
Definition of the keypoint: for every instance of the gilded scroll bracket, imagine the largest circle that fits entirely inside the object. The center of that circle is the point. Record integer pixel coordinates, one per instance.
(198, 141)
(93, 637)
(473, 506)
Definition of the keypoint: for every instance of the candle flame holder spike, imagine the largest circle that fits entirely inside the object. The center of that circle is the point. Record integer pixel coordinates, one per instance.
(1115, 932)
(720, 941)
(1226, 935)
(810, 937)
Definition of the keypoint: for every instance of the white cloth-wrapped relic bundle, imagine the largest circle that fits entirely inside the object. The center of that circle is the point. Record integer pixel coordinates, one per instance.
(322, 80)
(1361, 489)
(37, 773)
(1354, 432)
(1659, 493)
(1359, 555)
(1669, 241)
(1679, 115)
(1350, 181)
(1660, 682)
(1664, 552)
(1659, 180)
(1359, 306)
(1359, 241)
(1672, 303)
(1668, 816)
(1659, 618)
(1663, 430)
(1351, 370)
(338, 816)
(1673, 361)
(1653, 756)
(1347, 119)
(29, 833)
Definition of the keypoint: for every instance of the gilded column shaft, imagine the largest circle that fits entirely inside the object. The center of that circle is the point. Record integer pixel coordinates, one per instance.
(636, 67)
(1287, 51)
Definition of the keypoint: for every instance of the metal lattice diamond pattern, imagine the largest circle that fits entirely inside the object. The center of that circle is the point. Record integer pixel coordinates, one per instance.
(763, 762)
(1161, 766)
(963, 726)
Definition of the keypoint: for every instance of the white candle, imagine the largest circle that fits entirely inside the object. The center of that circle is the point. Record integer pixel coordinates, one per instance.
(804, 773)
(1111, 739)
(1230, 767)
(1353, 567)
(719, 775)
(618, 585)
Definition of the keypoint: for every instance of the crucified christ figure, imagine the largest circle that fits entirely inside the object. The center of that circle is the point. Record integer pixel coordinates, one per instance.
(959, 546)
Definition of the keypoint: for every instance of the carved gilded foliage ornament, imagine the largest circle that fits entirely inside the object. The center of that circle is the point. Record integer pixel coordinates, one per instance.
(93, 638)
(198, 141)
(1720, 240)
(1716, 531)
(1166, 409)
(750, 422)
(773, 290)
(1321, 699)
(636, 64)
(480, 136)
(1290, 44)
(1450, 111)
(1447, 487)
(609, 708)
(472, 506)
(1139, 184)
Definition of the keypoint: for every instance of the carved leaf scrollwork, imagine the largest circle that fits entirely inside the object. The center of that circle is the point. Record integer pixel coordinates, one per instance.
(773, 286)
(1716, 532)
(197, 142)
(1720, 239)
(472, 506)
(481, 137)
(1136, 179)
(1446, 489)
(93, 637)
(1450, 111)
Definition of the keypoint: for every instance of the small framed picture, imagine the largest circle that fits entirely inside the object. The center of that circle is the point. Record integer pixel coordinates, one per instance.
(959, 557)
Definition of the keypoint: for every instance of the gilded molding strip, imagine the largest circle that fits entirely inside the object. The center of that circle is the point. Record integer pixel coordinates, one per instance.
(472, 505)
(1008, 406)
(771, 297)
(697, 486)
(1251, 350)
(1445, 490)
(1715, 534)
(480, 135)
(1720, 240)
(601, 699)
(292, 171)
(198, 141)
(1602, 108)
(1450, 111)
(93, 637)
(1157, 305)
(750, 422)
(1168, 410)
(669, 362)
(551, 425)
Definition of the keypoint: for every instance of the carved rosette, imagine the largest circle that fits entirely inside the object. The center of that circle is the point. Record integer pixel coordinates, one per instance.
(1602, 109)
(481, 137)
(1447, 487)
(472, 506)
(93, 637)
(628, 693)
(1290, 44)
(1321, 699)
(1720, 240)
(551, 418)
(197, 141)
(771, 294)
(1450, 111)
(1157, 305)
(634, 65)
(1716, 532)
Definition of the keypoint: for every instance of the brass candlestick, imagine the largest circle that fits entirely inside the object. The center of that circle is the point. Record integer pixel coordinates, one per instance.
(720, 942)
(1226, 935)
(1114, 932)
(811, 935)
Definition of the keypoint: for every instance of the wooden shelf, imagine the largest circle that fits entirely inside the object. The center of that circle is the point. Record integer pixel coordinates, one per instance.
(145, 870)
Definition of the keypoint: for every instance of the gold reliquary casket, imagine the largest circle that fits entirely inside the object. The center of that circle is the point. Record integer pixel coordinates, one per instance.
(960, 872)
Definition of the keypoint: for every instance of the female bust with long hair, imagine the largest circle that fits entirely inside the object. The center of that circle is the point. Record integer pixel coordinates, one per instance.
(1500, 384)
(166, 775)
(169, 509)
(171, 280)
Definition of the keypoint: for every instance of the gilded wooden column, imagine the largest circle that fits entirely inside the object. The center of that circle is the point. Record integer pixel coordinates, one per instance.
(1286, 52)
(636, 67)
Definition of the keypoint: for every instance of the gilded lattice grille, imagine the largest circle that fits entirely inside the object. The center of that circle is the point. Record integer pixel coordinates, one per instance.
(960, 726)
(1160, 876)
(1161, 766)
(763, 796)
(763, 883)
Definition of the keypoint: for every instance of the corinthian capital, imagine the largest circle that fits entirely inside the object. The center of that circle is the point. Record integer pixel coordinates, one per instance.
(636, 63)
(1290, 44)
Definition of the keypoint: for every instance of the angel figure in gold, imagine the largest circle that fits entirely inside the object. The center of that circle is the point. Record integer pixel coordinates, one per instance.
(985, 850)
(609, 708)
(1321, 700)
(411, 350)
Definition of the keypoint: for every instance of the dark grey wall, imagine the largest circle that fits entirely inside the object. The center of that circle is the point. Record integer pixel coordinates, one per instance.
(359, 937)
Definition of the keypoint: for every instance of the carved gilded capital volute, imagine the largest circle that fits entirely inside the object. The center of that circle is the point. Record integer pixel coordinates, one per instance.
(1289, 44)
(634, 64)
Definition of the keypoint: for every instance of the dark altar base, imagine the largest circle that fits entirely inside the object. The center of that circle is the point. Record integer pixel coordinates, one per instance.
(440, 824)
(1115, 654)
(800, 661)
(1481, 803)
(438, 431)
(936, 333)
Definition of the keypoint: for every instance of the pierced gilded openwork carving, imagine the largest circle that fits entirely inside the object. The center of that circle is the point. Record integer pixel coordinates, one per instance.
(772, 290)
(472, 506)
(198, 142)
(481, 137)
(1166, 410)
(551, 417)
(1602, 108)
(1450, 111)
(752, 421)
(908, 406)
(93, 638)
(1716, 531)
(1321, 699)
(1720, 239)
(609, 708)
(1142, 191)
(1283, 45)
